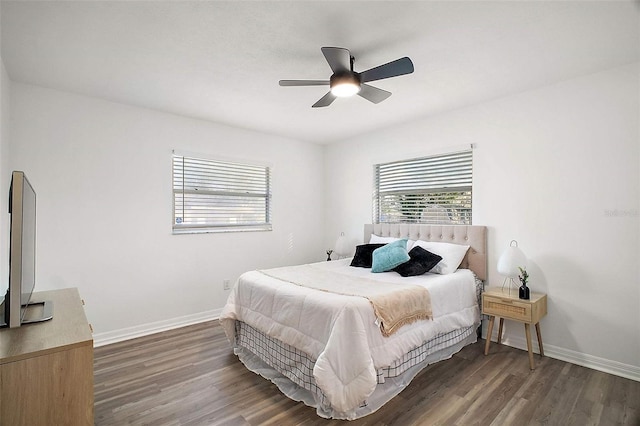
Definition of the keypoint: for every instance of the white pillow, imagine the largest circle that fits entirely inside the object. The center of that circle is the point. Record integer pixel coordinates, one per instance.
(377, 239)
(452, 255)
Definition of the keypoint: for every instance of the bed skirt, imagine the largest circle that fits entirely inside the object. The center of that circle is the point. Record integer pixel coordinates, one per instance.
(292, 370)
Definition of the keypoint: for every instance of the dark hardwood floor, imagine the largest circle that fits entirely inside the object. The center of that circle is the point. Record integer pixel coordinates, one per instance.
(190, 376)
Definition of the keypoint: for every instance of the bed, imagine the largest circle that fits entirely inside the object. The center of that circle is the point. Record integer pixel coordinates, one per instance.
(326, 345)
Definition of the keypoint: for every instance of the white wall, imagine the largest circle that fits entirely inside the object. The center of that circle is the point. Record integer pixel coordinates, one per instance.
(102, 173)
(5, 175)
(556, 169)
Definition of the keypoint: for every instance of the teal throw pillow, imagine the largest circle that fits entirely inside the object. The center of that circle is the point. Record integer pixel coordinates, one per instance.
(389, 256)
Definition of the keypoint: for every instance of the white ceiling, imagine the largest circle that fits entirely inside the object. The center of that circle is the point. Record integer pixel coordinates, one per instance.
(221, 61)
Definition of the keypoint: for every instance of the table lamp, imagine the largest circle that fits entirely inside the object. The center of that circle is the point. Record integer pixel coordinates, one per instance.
(342, 247)
(510, 260)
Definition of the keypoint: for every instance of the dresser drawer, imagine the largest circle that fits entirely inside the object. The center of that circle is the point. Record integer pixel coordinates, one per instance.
(506, 308)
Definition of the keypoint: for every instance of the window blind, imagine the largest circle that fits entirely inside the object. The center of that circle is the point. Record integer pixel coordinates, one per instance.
(211, 195)
(432, 190)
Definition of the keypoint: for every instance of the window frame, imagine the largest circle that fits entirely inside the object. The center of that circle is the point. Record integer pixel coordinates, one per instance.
(434, 189)
(219, 194)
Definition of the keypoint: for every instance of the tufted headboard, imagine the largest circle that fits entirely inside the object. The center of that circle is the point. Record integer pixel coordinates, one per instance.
(473, 236)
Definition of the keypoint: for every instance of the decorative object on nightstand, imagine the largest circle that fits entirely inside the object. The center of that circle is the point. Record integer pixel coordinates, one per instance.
(523, 292)
(510, 260)
(329, 255)
(497, 303)
(342, 247)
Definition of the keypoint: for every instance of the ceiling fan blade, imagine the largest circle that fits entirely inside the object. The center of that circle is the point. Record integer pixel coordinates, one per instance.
(373, 94)
(395, 68)
(339, 59)
(304, 82)
(325, 100)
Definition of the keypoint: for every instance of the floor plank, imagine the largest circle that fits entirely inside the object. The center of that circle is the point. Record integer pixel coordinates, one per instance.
(190, 376)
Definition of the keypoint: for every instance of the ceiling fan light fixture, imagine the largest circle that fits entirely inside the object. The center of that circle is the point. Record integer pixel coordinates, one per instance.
(344, 85)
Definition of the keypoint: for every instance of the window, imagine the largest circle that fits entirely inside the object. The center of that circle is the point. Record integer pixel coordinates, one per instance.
(433, 190)
(214, 196)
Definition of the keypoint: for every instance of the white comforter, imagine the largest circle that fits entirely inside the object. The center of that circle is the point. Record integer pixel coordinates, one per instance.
(340, 331)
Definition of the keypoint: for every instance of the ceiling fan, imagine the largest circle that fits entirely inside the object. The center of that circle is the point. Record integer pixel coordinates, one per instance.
(346, 82)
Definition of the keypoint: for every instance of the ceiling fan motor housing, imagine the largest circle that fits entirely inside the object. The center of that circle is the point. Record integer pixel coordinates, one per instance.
(345, 83)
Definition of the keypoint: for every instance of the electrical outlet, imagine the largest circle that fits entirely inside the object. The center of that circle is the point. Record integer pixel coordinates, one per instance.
(226, 285)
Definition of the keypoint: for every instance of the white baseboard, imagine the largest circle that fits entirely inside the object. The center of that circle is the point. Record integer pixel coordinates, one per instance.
(101, 339)
(596, 363)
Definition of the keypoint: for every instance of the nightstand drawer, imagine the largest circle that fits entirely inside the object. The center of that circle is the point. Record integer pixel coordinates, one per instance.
(506, 308)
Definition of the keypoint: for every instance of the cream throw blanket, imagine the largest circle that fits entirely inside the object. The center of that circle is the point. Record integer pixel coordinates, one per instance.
(394, 305)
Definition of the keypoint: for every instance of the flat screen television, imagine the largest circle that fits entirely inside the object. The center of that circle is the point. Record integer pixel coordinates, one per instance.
(22, 257)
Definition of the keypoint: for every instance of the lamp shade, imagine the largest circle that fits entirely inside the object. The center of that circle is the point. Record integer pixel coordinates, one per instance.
(342, 247)
(511, 259)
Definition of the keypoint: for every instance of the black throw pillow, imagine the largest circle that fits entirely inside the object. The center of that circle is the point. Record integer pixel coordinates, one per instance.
(364, 255)
(420, 262)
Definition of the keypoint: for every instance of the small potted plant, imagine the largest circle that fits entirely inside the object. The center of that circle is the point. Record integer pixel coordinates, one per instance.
(329, 255)
(523, 292)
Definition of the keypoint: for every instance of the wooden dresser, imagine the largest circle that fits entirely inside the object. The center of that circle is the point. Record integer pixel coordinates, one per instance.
(46, 369)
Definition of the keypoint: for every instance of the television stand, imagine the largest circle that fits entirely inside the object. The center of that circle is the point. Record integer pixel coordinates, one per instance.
(46, 370)
(38, 312)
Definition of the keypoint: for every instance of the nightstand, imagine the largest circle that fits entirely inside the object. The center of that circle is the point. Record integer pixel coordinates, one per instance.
(499, 303)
